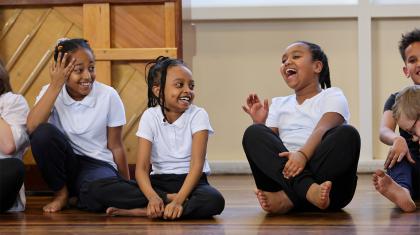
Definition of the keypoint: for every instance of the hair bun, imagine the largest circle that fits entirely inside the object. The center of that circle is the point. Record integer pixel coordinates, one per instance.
(61, 40)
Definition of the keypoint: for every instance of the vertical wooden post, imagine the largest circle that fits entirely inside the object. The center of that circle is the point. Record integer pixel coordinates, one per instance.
(96, 29)
(170, 23)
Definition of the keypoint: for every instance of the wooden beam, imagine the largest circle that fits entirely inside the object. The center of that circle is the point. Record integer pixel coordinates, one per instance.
(170, 24)
(8, 25)
(102, 54)
(74, 2)
(96, 29)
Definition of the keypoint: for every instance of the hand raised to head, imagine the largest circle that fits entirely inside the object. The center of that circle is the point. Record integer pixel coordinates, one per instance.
(59, 71)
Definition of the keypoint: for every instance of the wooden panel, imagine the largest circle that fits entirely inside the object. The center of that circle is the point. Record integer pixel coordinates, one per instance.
(137, 26)
(133, 53)
(73, 14)
(133, 91)
(96, 29)
(23, 25)
(170, 23)
(128, 34)
(72, 2)
(42, 41)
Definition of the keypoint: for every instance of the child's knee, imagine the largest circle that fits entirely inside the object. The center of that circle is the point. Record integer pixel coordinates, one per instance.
(42, 134)
(349, 132)
(252, 131)
(213, 201)
(92, 194)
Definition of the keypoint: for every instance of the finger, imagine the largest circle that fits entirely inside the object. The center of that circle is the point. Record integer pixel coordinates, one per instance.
(52, 66)
(393, 161)
(179, 213)
(63, 61)
(388, 160)
(162, 207)
(166, 212)
(172, 214)
(298, 171)
(249, 101)
(400, 157)
(245, 109)
(410, 159)
(256, 98)
(71, 64)
(284, 154)
(58, 62)
(149, 212)
(266, 104)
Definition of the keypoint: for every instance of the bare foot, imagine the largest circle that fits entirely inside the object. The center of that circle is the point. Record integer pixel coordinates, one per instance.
(126, 212)
(59, 201)
(319, 194)
(274, 202)
(394, 192)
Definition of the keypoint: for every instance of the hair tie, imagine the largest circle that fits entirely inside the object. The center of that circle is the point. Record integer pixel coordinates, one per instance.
(61, 40)
(59, 48)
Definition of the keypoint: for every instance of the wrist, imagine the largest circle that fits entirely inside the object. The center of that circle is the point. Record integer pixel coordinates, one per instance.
(398, 138)
(303, 154)
(178, 199)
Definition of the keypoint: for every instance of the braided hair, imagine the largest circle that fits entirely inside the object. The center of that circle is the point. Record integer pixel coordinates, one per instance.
(319, 55)
(156, 76)
(66, 45)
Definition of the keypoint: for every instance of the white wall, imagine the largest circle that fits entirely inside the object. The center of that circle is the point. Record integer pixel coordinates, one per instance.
(237, 50)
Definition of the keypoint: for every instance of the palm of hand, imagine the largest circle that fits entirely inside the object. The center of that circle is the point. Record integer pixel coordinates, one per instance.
(257, 112)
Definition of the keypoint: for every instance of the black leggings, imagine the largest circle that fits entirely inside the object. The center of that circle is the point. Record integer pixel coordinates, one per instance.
(203, 202)
(335, 159)
(12, 172)
(60, 166)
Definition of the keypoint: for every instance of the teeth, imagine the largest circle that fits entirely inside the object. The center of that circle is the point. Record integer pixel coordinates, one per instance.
(290, 71)
(85, 83)
(185, 98)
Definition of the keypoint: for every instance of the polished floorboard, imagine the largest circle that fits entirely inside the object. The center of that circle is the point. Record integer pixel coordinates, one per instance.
(368, 213)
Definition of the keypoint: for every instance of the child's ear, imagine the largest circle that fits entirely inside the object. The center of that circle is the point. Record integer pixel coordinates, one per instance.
(156, 90)
(406, 72)
(318, 66)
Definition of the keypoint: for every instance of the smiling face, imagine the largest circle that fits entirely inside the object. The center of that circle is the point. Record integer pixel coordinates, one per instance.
(412, 62)
(298, 69)
(81, 79)
(179, 91)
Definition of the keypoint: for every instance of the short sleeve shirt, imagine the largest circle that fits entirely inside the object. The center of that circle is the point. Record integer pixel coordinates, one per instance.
(296, 122)
(85, 122)
(14, 110)
(172, 143)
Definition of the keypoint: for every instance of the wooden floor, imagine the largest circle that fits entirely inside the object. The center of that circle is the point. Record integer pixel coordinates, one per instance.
(369, 213)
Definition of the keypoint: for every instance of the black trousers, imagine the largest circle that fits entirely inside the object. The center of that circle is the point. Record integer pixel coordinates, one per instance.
(60, 166)
(12, 172)
(335, 159)
(203, 202)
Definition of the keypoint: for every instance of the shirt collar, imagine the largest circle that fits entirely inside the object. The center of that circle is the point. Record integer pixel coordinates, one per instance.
(88, 101)
(180, 122)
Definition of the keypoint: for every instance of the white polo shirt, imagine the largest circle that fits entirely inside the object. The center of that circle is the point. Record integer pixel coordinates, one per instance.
(85, 122)
(171, 143)
(14, 110)
(296, 122)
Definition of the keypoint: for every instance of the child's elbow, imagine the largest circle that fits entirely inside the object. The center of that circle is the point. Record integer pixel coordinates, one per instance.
(9, 148)
(30, 127)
